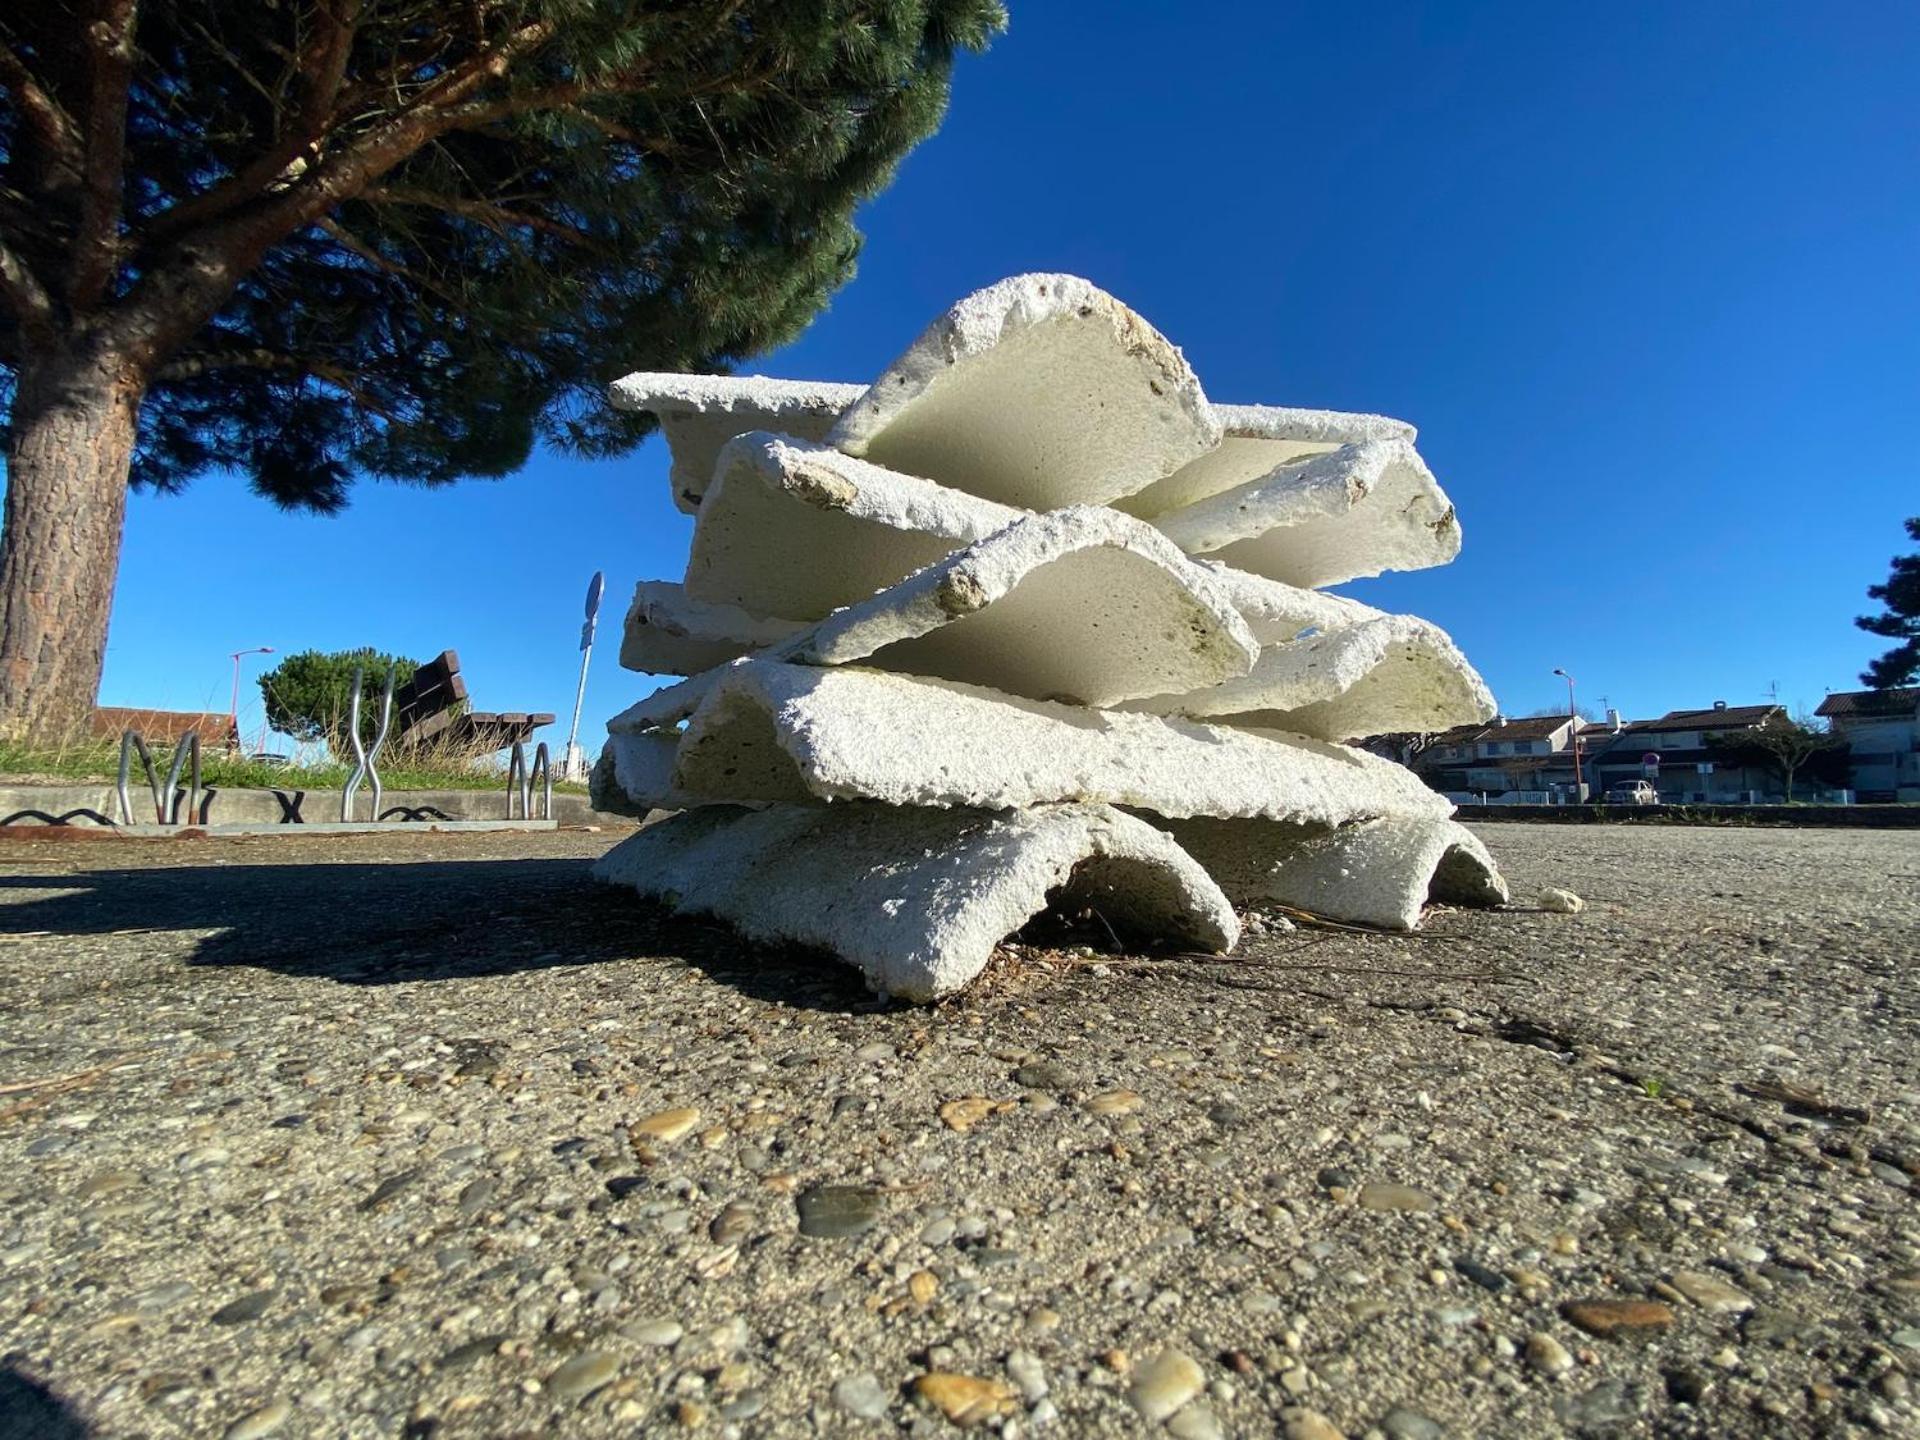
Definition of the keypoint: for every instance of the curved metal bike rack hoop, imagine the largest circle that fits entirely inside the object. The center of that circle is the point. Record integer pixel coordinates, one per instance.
(365, 760)
(521, 780)
(166, 801)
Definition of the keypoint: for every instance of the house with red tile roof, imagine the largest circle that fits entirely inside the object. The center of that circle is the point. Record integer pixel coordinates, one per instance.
(1882, 731)
(1683, 754)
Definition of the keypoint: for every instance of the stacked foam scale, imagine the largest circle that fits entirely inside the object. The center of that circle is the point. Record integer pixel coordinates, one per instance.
(1026, 621)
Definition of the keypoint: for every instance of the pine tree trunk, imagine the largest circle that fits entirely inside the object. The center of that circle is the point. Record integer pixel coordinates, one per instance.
(73, 422)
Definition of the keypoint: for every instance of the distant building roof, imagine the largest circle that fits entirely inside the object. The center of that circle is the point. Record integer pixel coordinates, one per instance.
(1533, 727)
(165, 727)
(1904, 700)
(1715, 717)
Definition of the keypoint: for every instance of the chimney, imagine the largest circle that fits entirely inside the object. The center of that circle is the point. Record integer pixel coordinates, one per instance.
(1719, 704)
(1500, 720)
(1614, 723)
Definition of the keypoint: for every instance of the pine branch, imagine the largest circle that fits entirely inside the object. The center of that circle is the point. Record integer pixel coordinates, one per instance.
(330, 55)
(354, 244)
(110, 78)
(348, 382)
(614, 131)
(181, 292)
(322, 65)
(33, 308)
(49, 122)
(497, 218)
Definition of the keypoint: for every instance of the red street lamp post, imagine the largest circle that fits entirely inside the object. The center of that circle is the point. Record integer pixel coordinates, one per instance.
(1573, 719)
(233, 706)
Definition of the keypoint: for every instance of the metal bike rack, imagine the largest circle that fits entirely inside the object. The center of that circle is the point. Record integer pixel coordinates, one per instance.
(529, 790)
(521, 780)
(365, 767)
(166, 801)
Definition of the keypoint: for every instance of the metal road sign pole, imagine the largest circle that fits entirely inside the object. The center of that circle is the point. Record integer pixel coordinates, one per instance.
(575, 766)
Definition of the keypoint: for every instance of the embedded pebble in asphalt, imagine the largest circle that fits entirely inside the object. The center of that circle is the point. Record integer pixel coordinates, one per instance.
(1166, 1382)
(862, 1395)
(427, 1134)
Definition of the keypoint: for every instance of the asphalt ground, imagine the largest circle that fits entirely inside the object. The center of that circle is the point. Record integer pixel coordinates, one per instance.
(389, 1136)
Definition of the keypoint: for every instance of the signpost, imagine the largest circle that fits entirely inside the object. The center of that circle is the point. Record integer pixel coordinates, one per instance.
(575, 765)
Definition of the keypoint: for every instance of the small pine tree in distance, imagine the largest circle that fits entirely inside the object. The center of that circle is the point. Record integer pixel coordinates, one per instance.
(1898, 620)
(310, 695)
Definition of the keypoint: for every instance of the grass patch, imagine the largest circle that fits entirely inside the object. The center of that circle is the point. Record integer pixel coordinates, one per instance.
(426, 767)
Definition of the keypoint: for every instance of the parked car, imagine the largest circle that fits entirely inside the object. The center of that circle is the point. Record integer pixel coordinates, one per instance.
(1632, 792)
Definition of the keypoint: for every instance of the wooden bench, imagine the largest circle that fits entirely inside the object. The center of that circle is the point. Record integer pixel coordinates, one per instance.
(433, 706)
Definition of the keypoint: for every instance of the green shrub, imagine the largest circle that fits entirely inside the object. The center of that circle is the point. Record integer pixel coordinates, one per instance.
(309, 695)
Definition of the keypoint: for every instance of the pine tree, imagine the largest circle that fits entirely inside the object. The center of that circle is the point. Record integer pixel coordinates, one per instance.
(314, 239)
(310, 695)
(1900, 620)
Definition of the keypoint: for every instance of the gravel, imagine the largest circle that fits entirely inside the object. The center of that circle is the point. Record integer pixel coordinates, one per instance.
(419, 1134)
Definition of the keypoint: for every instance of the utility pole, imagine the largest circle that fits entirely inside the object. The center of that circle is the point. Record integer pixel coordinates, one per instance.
(574, 767)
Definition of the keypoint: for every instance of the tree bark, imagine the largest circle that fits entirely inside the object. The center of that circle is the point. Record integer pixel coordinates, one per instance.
(74, 415)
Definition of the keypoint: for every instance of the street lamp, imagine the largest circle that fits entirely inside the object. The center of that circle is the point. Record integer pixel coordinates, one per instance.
(233, 707)
(1573, 719)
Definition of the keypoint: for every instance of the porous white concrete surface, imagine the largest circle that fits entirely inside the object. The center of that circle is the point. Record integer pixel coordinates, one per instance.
(918, 899)
(1277, 612)
(1256, 441)
(1396, 673)
(1377, 872)
(1082, 605)
(1039, 391)
(793, 530)
(937, 596)
(699, 414)
(636, 776)
(1357, 511)
(763, 731)
(668, 632)
(1297, 425)
(791, 524)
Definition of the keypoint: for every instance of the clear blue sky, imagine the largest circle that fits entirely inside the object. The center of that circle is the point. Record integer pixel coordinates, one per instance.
(1646, 276)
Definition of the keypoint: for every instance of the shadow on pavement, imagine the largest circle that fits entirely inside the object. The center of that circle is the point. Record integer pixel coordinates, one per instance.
(30, 1411)
(375, 924)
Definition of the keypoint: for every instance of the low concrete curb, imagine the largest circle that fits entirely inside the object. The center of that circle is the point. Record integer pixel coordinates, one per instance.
(95, 804)
(1870, 817)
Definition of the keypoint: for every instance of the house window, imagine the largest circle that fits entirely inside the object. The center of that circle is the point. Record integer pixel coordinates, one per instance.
(1493, 747)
